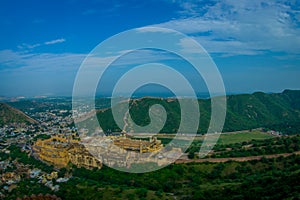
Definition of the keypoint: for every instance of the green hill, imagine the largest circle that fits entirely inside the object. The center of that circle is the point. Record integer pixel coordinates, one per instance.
(9, 115)
(279, 111)
(264, 110)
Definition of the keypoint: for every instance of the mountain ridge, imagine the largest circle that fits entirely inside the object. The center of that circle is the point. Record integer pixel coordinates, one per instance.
(244, 111)
(10, 114)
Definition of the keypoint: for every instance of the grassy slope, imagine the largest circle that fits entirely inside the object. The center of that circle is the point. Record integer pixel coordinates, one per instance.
(242, 137)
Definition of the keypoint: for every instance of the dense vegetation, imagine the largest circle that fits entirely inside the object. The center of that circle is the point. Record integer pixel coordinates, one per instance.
(259, 147)
(277, 145)
(244, 112)
(265, 179)
(276, 178)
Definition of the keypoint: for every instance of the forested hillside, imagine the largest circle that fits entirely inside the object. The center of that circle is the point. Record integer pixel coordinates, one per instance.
(279, 111)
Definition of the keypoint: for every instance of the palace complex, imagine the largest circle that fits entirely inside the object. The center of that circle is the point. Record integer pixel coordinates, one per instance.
(60, 150)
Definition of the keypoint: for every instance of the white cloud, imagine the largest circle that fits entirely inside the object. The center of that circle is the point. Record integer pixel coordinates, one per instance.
(12, 61)
(28, 46)
(240, 27)
(55, 41)
(189, 46)
(127, 58)
(149, 29)
(32, 46)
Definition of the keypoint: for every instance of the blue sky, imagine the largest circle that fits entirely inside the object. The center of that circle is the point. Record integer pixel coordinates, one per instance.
(255, 44)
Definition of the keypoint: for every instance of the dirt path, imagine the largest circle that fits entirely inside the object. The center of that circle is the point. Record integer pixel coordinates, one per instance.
(125, 119)
(239, 159)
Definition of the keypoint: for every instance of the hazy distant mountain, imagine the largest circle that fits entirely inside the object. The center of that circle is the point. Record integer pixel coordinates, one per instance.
(244, 111)
(9, 115)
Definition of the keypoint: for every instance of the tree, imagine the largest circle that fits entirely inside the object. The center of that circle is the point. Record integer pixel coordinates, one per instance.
(142, 192)
(191, 155)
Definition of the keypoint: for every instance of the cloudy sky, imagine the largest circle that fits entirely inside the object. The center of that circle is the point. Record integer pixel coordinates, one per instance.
(254, 43)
